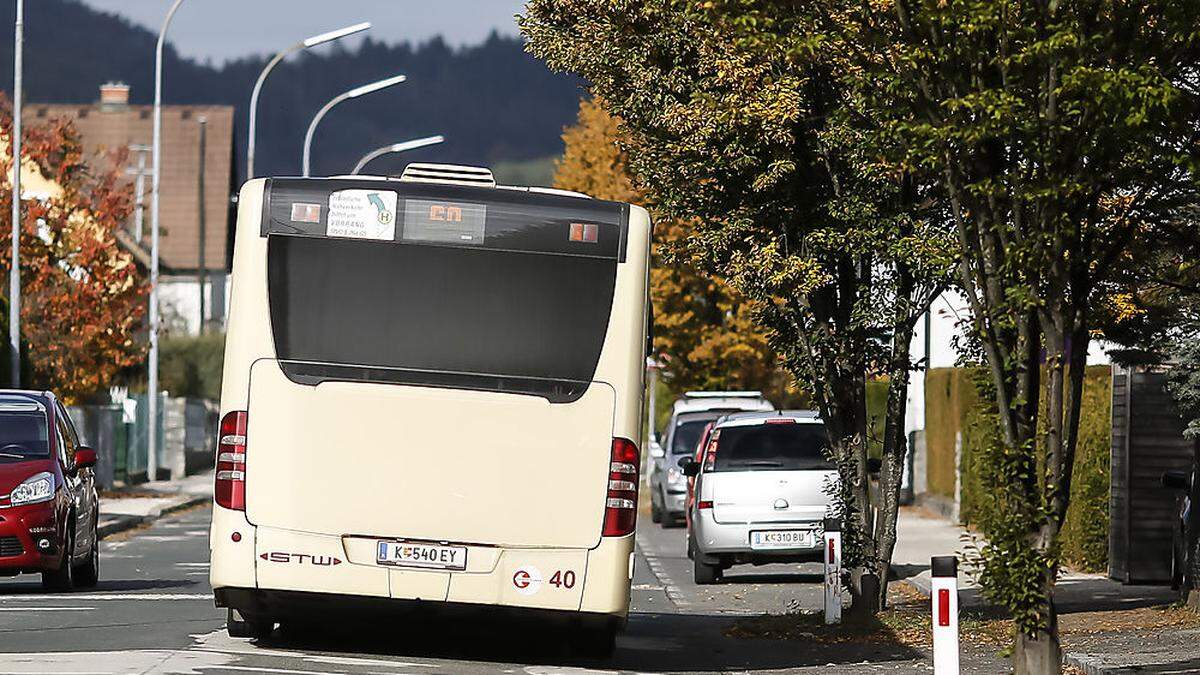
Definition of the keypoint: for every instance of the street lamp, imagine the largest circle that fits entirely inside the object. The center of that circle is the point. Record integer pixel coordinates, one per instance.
(353, 93)
(152, 386)
(14, 274)
(303, 44)
(395, 147)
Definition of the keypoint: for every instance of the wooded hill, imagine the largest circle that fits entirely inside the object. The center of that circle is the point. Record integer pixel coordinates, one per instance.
(494, 103)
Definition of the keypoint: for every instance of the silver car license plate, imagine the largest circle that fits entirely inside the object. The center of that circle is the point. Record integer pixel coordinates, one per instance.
(771, 539)
(431, 556)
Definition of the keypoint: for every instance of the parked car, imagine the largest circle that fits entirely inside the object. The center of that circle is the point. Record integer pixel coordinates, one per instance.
(1180, 481)
(763, 489)
(697, 456)
(49, 508)
(689, 414)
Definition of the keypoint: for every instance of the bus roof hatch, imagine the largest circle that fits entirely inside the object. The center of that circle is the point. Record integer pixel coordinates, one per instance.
(449, 174)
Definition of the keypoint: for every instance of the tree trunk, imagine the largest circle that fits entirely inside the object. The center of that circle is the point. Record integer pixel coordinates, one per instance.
(1040, 653)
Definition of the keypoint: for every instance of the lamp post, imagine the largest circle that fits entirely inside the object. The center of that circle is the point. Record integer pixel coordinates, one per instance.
(303, 44)
(155, 180)
(395, 147)
(14, 273)
(353, 93)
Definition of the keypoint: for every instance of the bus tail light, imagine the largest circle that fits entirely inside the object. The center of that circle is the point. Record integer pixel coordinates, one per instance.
(620, 505)
(231, 461)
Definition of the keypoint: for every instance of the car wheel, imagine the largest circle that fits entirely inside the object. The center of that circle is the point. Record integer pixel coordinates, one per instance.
(242, 626)
(87, 575)
(691, 552)
(1178, 560)
(656, 514)
(704, 574)
(63, 578)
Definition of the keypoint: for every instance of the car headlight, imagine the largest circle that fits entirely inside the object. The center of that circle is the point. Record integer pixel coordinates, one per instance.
(676, 477)
(35, 489)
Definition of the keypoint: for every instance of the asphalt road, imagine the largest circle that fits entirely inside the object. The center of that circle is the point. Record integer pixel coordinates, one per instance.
(153, 613)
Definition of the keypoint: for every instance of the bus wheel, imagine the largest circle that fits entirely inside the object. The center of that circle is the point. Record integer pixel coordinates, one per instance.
(704, 574)
(242, 626)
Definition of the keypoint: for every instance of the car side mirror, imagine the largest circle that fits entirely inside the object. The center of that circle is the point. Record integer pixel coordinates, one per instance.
(1176, 480)
(874, 465)
(691, 468)
(85, 457)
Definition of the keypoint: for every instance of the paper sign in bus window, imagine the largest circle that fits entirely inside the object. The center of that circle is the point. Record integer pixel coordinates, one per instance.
(362, 214)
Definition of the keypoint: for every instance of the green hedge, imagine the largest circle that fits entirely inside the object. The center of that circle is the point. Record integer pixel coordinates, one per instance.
(191, 366)
(953, 406)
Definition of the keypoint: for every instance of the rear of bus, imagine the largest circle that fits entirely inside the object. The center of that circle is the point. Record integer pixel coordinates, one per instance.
(431, 392)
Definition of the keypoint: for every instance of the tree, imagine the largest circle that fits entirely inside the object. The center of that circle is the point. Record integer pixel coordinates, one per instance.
(703, 329)
(731, 117)
(1065, 137)
(83, 296)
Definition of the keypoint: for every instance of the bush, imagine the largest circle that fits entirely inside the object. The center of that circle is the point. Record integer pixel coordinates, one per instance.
(191, 366)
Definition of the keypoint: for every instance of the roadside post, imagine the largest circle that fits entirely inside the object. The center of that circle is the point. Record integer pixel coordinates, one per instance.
(944, 597)
(833, 570)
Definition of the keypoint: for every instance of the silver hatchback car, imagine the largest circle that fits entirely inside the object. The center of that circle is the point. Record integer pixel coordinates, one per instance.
(763, 487)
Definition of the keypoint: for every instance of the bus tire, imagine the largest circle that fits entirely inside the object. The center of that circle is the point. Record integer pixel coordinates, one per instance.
(704, 574)
(241, 626)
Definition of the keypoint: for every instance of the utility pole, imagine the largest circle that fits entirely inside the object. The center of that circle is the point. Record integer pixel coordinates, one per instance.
(139, 190)
(200, 186)
(14, 274)
(152, 376)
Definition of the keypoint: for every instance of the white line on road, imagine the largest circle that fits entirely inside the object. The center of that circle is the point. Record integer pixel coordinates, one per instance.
(108, 596)
(281, 670)
(46, 609)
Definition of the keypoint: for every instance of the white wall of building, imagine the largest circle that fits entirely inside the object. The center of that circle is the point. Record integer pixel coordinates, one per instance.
(179, 297)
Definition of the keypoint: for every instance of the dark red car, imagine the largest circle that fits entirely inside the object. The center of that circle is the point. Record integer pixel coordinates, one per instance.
(697, 456)
(48, 502)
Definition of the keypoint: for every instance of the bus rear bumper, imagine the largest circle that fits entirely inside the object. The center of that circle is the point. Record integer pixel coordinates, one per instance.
(283, 606)
(592, 581)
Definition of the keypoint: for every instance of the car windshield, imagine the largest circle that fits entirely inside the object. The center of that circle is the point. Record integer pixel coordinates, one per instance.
(772, 447)
(687, 435)
(23, 436)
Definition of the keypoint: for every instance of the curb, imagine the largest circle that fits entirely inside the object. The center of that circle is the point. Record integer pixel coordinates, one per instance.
(1090, 665)
(125, 522)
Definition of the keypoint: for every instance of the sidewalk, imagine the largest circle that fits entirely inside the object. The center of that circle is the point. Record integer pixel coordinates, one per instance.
(124, 509)
(1107, 627)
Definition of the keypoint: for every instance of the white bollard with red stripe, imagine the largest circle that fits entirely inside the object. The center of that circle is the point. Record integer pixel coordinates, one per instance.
(944, 598)
(833, 570)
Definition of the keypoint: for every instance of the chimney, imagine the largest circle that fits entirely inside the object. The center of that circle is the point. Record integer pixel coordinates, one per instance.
(114, 96)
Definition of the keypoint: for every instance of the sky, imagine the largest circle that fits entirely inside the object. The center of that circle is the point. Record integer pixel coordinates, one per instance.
(225, 29)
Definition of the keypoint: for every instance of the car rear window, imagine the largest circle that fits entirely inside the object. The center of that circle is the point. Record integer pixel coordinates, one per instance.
(687, 435)
(772, 447)
(23, 435)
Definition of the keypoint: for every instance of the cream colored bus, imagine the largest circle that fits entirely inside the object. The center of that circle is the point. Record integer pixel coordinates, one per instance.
(432, 391)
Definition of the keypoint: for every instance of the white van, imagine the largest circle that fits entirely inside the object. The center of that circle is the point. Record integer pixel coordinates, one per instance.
(431, 390)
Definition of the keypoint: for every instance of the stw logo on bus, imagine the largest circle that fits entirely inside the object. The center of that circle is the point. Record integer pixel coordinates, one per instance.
(301, 559)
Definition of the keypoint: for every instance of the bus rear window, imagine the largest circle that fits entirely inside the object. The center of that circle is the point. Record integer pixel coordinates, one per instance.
(483, 319)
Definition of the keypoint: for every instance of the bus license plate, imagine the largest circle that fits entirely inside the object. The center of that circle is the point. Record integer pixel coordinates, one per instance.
(782, 539)
(432, 556)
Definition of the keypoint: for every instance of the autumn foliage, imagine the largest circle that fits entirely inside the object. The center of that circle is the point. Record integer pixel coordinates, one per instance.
(702, 328)
(83, 296)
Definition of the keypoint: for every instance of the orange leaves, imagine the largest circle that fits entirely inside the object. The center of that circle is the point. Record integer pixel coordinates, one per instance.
(83, 298)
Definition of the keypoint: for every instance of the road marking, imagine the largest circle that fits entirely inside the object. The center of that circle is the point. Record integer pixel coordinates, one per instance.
(195, 564)
(109, 596)
(46, 609)
(281, 670)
